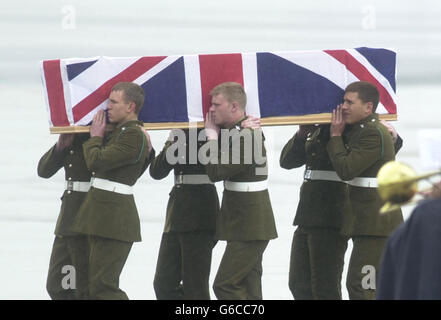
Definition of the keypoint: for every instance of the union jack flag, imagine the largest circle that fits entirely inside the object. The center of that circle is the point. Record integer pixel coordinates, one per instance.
(177, 87)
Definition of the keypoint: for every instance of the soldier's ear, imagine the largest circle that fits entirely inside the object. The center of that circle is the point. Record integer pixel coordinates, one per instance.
(235, 106)
(369, 107)
(132, 106)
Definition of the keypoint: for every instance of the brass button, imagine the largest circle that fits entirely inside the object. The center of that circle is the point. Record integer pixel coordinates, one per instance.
(69, 192)
(313, 154)
(70, 165)
(70, 178)
(71, 152)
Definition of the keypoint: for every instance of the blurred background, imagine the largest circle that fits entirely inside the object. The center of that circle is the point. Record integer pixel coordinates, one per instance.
(31, 31)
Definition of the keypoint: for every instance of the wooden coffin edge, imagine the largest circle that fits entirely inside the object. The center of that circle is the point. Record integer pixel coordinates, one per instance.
(270, 121)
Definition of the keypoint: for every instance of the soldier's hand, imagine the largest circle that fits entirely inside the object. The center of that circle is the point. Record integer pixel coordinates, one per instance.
(64, 141)
(251, 122)
(337, 122)
(391, 130)
(211, 129)
(98, 127)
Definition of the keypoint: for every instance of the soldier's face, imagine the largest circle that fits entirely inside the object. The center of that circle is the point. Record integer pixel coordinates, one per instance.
(221, 109)
(117, 108)
(354, 109)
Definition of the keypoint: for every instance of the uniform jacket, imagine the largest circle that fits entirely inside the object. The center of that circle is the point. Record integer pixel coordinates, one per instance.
(244, 216)
(72, 160)
(190, 207)
(362, 150)
(321, 202)
(411, 263)
(122, 157)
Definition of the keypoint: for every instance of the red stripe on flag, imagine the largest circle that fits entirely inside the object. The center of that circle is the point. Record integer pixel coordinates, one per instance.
(362, 73)
(55, 92)
(101, 94)
(218, 68)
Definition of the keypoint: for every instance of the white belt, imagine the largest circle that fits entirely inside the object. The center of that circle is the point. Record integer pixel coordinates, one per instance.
(332, 176)
(192, 179)
(246, 186)
(111, 186)
(79, 186)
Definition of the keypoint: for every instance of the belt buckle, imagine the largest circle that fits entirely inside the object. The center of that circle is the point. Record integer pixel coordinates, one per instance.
(179, 179)
(307, 174)
(69, 186)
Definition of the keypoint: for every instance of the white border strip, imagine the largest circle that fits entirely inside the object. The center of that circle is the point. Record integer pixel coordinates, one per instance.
(46, 98)
(251, 84)
(66, 92)
(193, 87)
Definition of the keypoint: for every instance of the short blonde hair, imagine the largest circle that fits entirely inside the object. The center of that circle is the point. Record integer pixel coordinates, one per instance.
(232, 91)
(132, 93)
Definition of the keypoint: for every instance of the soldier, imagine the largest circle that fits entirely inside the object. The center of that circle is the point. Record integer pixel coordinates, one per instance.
(188, 237)
(246, 218)
(357, 155)
(109, 215)
(318, 248)
(69, 248)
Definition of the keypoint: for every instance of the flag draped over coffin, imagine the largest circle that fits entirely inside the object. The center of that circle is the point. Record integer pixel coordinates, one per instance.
(177, 87)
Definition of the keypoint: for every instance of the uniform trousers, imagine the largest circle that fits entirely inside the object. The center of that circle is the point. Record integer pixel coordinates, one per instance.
(239, 276)
(364, 266)
(63, 281)
(316, 263)
(183, 267)
(106, 262)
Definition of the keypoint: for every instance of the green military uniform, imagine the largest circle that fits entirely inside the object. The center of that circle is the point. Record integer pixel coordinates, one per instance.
(246, 218)
(108, 214)
(318, 248)
(362, 150)
(188, 237)
(69, 248)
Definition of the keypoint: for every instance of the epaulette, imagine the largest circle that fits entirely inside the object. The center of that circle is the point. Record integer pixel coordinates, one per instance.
(373, 122)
